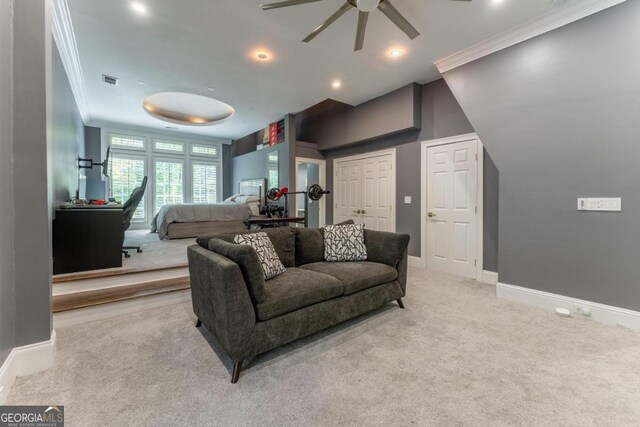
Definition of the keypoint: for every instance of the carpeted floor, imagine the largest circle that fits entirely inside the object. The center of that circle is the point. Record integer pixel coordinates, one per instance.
(456, 356)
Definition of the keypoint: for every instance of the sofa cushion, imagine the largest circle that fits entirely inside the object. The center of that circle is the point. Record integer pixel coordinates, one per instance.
(296, 288)
(271, 264)
(344, 243)
(309, 245)
(283, 239)
(249, 263)
(356, 276)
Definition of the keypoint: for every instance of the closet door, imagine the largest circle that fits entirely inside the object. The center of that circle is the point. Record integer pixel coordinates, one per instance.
(377, 194)
(348, 185)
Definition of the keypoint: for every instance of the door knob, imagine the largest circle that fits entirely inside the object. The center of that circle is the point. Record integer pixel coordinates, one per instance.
(431, 214)
(358, 211)
(363, 211)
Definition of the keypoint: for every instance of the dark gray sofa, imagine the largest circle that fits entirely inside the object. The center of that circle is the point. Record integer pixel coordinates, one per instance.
(249, 316)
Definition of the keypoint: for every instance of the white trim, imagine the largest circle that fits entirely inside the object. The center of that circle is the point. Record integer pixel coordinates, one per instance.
(479, 198)
(26, 360)
(394, 190)
(489, 277)
(415, 261)
(65, 38)
(599, 312)
(120, 308)
(322, 221)
(557, 18)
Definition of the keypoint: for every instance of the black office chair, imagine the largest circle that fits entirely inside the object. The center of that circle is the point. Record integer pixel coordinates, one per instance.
(128, 209)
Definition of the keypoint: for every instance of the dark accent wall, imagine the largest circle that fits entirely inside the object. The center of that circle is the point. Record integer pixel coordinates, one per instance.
(559, 114)
(7, 283)
(67, 135)
(32, 199)
(440, 116)
(95, 186)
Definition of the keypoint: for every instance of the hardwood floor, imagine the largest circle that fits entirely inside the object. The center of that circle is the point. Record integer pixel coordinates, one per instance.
(77, 300)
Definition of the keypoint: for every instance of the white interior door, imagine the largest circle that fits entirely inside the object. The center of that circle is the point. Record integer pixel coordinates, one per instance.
(377, 192)
(364, 191)
(348, 187)
(452, 190)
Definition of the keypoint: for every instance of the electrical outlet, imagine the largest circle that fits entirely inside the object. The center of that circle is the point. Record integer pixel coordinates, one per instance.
(583, 310)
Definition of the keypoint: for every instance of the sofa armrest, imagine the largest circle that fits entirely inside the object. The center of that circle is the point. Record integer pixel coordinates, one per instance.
(391, 249)
(221, 299)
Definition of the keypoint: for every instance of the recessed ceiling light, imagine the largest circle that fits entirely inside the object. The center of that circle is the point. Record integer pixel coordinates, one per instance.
(336, 84)
(395, 53)
(210, 89)
(262, 56)
(141, 83)
(139, 8)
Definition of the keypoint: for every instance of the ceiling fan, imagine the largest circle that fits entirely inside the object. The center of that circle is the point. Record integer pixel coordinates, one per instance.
(364, 8)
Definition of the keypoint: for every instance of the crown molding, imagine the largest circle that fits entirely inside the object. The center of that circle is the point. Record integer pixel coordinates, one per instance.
(66, 42)
(555, 19)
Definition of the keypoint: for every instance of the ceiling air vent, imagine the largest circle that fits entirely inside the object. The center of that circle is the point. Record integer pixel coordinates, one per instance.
(110, 80)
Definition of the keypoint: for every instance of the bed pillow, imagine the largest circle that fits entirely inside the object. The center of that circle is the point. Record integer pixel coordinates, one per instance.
(344, 243)
(271, 264)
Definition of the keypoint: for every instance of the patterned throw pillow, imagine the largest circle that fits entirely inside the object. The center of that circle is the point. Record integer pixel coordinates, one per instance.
(344, 243)
(271, 264)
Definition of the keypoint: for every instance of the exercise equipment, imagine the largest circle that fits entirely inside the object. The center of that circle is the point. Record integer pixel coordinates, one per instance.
(314, 192)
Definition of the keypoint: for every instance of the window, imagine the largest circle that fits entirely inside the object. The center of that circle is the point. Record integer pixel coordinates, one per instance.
(168, 146)
(127, 173)
(272, 170)
(127, 142)
(179, 170)
(168, 183)
(204, 150)
(204, 181)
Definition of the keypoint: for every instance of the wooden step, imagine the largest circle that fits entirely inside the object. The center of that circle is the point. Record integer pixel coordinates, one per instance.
(110, 272)
(83, 299)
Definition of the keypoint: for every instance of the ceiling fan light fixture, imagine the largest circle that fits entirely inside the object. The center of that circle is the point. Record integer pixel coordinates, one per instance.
(367, 5)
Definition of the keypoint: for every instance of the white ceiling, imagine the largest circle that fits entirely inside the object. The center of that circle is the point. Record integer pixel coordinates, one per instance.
(190, 45)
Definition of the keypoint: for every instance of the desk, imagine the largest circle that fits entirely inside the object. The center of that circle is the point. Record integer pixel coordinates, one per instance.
(87, 238)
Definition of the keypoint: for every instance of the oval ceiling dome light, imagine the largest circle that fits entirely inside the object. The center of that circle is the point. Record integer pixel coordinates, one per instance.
(187, 109)
(367, 5)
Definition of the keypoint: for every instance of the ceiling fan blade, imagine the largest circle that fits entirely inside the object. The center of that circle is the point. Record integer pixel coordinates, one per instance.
(286, 3)
(363, 17)
(344, 9)
(396, 17)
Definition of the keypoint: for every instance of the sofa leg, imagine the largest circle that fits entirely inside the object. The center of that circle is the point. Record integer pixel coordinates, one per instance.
(198, 323)
(400, 303)
(237, 367)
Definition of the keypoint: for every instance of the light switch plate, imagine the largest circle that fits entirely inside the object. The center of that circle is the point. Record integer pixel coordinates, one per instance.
(407, 200)
(601, 204)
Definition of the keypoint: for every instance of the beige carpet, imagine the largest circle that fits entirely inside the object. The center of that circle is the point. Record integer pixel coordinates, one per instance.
(156, 252)
(456, 356)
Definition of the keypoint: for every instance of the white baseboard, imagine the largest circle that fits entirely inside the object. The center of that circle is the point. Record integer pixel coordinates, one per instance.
(105, 311)
(416, 261)
(599, 312)
(489, 277)
(26, 360)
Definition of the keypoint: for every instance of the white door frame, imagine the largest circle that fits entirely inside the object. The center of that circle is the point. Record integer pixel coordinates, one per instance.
(323, 183)
(480, 198)
(392, 152)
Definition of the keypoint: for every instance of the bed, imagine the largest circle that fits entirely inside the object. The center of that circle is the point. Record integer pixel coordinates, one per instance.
(191, 220)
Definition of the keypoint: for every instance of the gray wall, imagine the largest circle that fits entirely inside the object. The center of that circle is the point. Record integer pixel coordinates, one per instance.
(32, 197)
(95, 186)
(67, 134)
(7, 283)
(441, 117)
(560, 115)
(227, 172)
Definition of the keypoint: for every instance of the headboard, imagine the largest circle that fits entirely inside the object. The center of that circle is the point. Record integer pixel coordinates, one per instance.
(254, 187)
